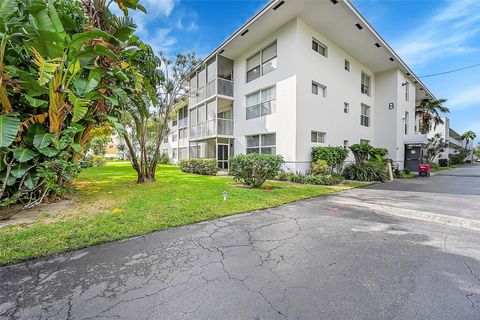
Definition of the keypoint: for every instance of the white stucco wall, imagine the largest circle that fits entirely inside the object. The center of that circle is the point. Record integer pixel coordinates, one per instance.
(325, 114)
(282, 120)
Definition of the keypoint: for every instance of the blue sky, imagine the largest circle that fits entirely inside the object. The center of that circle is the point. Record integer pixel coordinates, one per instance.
(431, 36)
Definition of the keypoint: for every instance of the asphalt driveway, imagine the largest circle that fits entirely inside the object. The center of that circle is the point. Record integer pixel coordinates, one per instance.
(403, 250)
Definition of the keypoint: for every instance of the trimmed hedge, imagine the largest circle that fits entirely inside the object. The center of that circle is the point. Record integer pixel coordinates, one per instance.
(319, 179)
(334, 156)
(443, 162)
(253, 169)
(207, 167)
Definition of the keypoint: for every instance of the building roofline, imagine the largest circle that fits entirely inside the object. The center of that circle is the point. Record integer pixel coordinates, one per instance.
(390, 49)
(272, 4)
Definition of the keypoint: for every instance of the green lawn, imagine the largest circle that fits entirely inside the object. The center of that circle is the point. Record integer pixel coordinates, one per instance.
(444, 168)
(112, 206)
(408, 175)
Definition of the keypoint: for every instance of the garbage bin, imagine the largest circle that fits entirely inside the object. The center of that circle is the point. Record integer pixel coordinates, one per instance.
(424, 170)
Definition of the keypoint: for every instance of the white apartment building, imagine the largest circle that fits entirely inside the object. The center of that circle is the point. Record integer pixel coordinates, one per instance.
(300, 74)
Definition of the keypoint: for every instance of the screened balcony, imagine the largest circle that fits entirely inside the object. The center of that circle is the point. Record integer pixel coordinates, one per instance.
(212, 119)
(216, 78)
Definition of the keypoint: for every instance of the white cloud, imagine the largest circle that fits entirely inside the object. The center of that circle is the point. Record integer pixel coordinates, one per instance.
(163, 7)
(467, 98)
(161, 40)
(446, 33)
(187, 25)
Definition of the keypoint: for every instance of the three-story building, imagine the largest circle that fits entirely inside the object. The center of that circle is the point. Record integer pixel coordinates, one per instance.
(299, 74)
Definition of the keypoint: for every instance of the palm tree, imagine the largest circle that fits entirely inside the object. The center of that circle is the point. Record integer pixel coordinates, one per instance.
(429, 113)
(468, 136)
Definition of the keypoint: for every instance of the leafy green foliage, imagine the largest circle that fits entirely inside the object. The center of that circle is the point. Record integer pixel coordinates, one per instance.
(429, 113)
(458, 157)
(334, 156)
(361, 152)
(319, 167)
(208, 167)
(442, 162)
(8, 129)
(364, 152)
(434, 147)
(164, 159)
(365, 171)
(254, 169)
(62, 71)
(315, 179)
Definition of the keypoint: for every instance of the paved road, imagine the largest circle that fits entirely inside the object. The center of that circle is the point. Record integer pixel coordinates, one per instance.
(374, 253)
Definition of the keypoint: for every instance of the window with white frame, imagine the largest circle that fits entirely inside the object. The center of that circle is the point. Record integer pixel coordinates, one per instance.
(365, 115)
(174, 153)
(262, 62)
(346, 107)
(165, 140)
(318, 137)
(365, 84)
(319, 47)
(261, 143)
(318, 88)
(364, 141)
(174, 136)
(260, 103)
(347, 65)
(345, 144)
(174, 122)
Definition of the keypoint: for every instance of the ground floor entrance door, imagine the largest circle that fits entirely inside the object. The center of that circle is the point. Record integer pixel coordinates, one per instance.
(222, 155)
(413, 157)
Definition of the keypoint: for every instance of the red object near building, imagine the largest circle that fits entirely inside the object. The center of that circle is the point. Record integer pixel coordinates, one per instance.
(424, 170)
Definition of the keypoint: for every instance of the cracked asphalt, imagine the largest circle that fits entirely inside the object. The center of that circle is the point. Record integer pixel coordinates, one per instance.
(400, 250)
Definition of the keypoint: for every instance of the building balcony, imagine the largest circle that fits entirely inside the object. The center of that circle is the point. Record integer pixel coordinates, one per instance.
(219, 86)
(455, 142)
(214, 79)
(182, 123)
(212, 128)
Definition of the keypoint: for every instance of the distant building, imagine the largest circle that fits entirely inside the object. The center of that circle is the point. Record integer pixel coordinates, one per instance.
(454, 139)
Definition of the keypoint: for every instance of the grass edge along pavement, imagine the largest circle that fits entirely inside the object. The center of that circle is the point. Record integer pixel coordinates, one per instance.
(111, 206)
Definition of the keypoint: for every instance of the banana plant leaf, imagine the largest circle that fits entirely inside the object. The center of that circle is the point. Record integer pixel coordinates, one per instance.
(9, 126)
(31, 181)
(23, 154)
(19, 170)
(40, 141)
(49, 152)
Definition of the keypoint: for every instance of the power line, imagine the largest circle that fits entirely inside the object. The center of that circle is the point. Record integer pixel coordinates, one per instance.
(450, 71)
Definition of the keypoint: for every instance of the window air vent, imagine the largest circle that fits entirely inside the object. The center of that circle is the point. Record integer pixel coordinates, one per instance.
(281, 3)
(244, 32)
(377, 45)
(358, 26)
